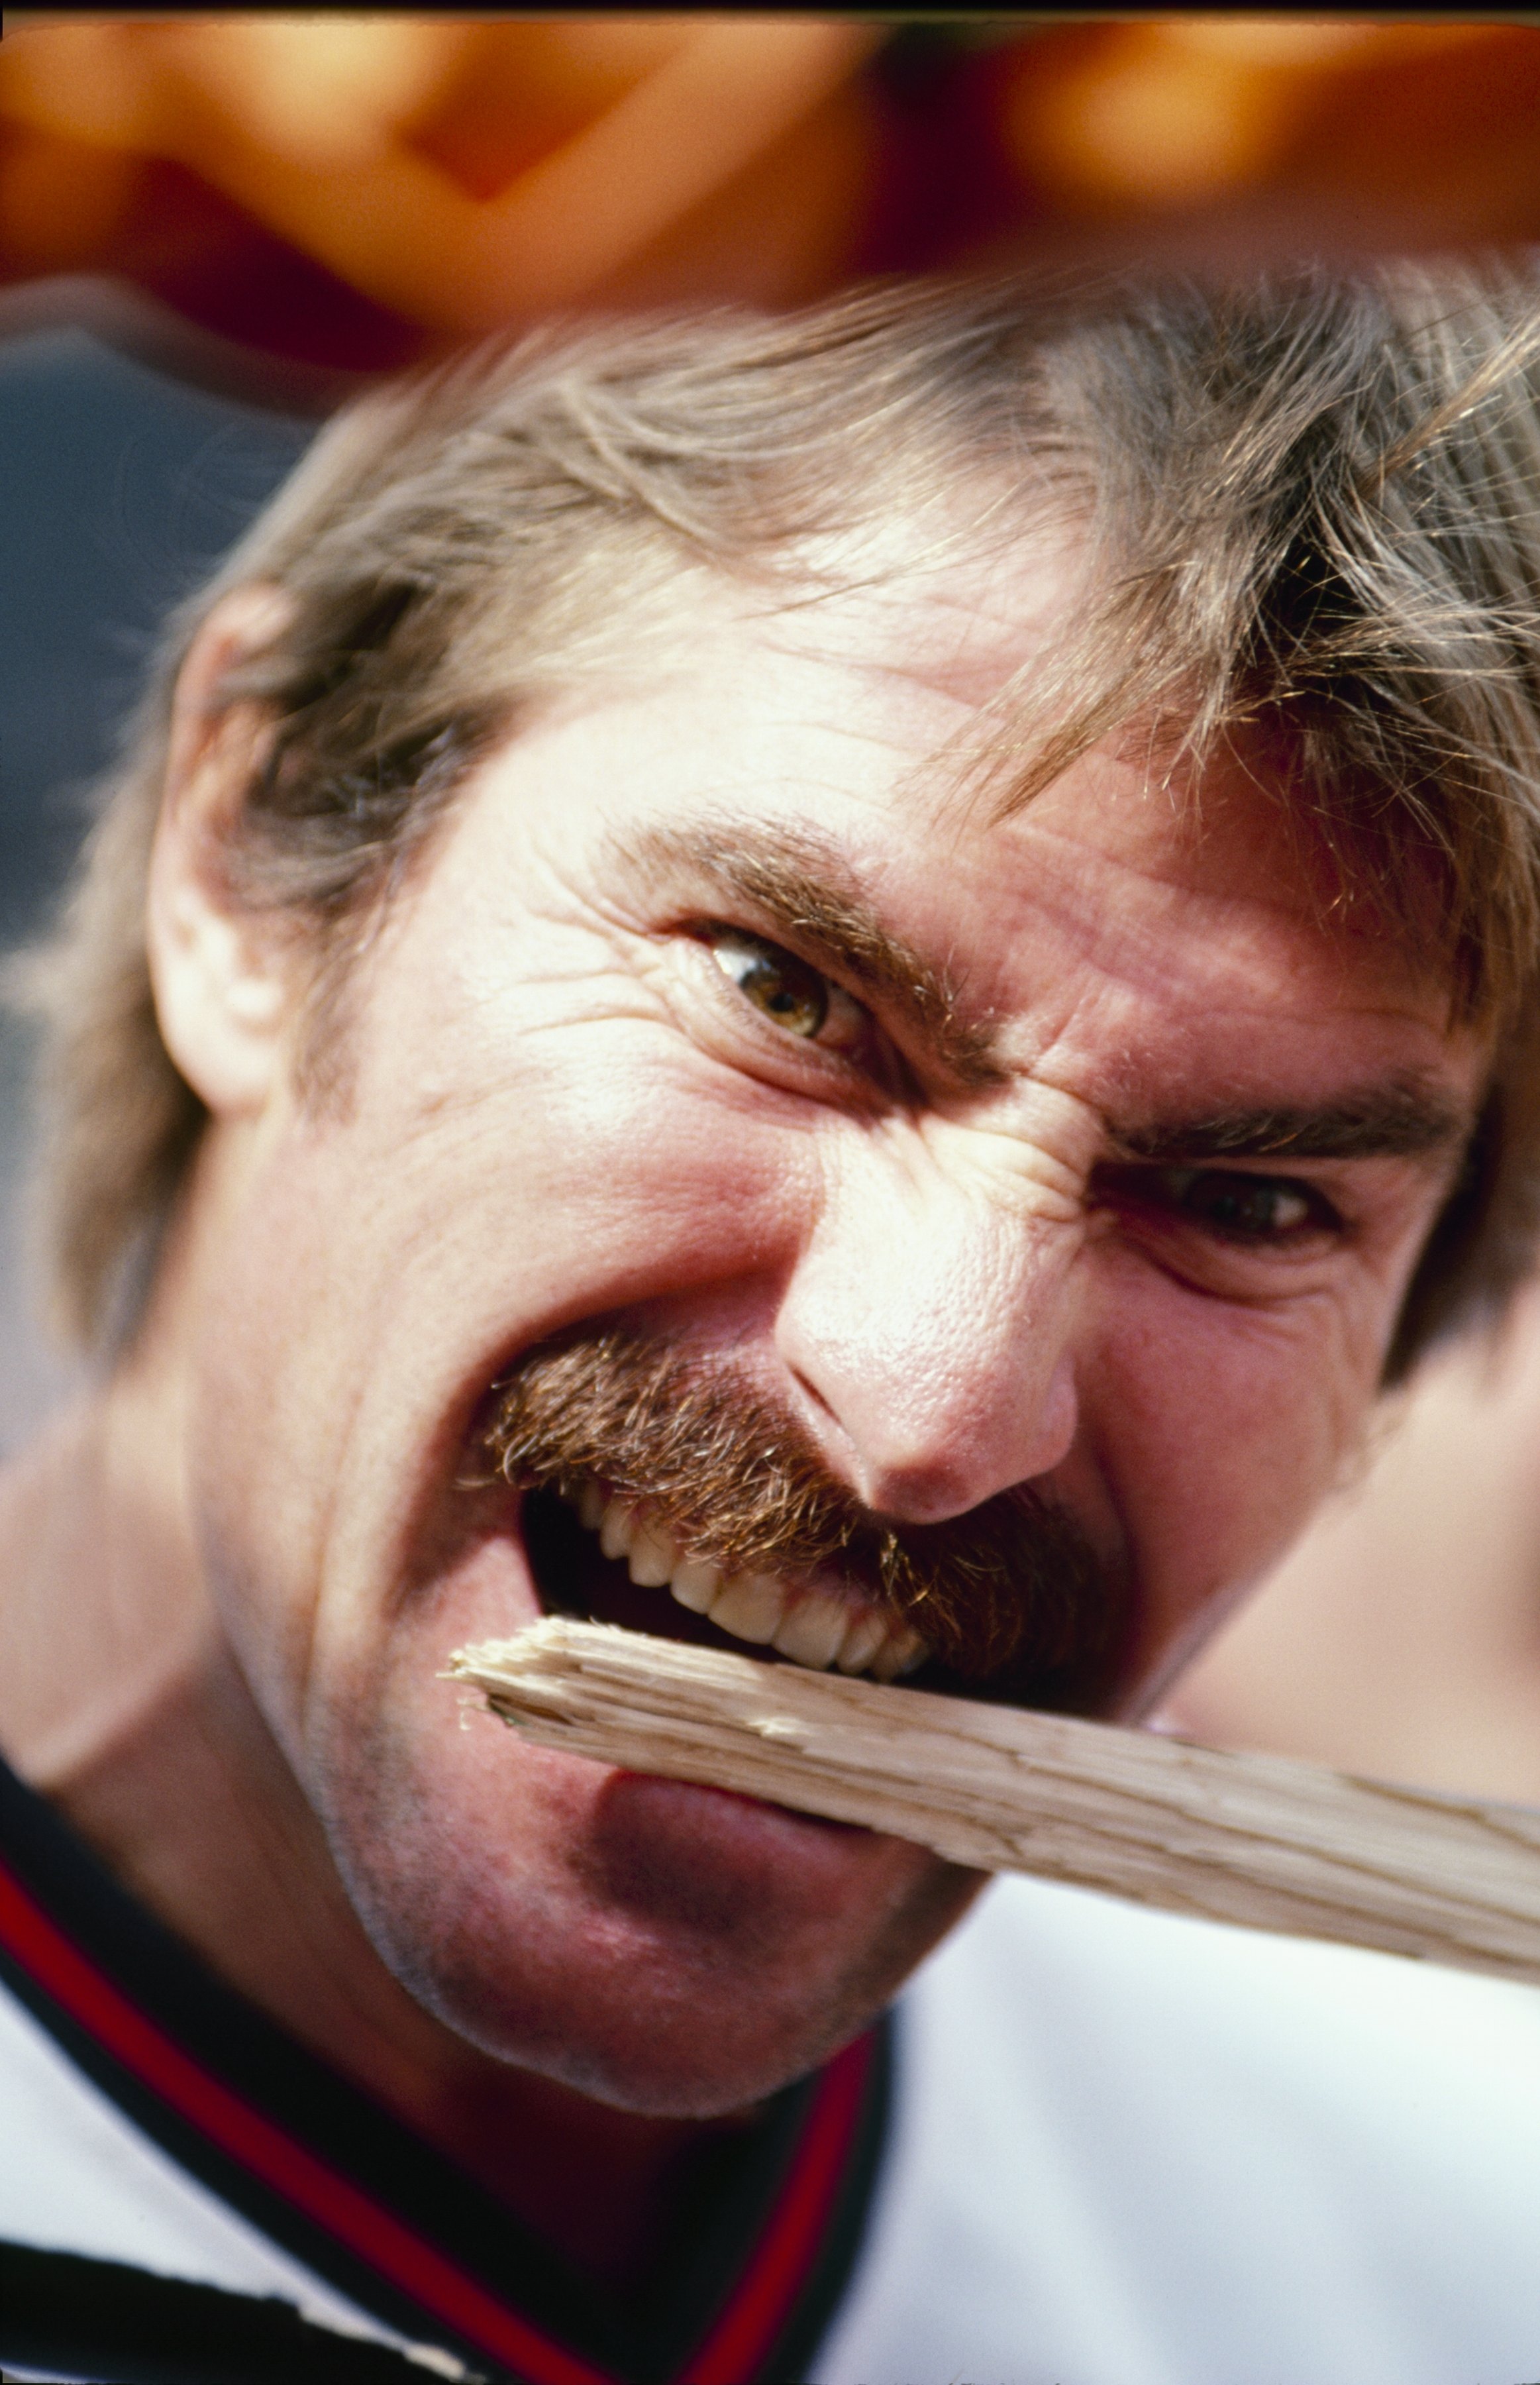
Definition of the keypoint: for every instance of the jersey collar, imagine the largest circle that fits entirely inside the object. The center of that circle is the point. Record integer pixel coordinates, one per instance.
(757, 2264)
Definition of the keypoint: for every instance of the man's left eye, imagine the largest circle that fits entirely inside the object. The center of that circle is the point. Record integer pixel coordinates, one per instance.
(795, 996)
(1240, 1207)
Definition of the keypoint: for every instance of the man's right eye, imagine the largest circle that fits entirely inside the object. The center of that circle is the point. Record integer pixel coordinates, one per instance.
(790, 993)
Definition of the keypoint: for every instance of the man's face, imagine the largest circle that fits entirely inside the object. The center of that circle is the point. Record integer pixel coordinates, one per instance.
(1050, 1186)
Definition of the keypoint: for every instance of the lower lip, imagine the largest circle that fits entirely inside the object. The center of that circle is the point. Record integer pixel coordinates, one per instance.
(756, 1804)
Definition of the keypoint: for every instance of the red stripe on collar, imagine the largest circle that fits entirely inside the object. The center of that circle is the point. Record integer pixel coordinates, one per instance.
(760, 2306)
(269, 2154)
(777, 2270)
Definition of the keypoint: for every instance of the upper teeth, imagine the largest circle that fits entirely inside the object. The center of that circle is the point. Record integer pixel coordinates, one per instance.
(812, 1627)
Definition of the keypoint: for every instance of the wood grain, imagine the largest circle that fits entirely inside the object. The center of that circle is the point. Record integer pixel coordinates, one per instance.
(1261, 1841)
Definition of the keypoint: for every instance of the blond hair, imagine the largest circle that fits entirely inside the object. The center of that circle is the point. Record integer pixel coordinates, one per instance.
(1311, 509)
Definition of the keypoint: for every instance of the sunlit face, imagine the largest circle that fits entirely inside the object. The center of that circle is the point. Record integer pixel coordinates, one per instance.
(952, 1152)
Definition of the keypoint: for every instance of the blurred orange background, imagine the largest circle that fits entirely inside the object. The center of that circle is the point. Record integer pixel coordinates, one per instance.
(339, 195)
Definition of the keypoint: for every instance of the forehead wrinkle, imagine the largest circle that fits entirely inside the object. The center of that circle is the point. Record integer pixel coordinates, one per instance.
(808, 889)
(957, 619)
(962, 653)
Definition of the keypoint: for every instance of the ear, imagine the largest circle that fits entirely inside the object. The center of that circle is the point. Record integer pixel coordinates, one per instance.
(222, 974)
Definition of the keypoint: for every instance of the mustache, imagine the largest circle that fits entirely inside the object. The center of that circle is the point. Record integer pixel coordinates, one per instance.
(1011, 1594)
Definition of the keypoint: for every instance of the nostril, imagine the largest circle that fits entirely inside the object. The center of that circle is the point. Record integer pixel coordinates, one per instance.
(807, 1390)
(919, 1494)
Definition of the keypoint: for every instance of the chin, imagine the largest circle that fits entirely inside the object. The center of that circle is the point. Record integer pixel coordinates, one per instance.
(662, 1948)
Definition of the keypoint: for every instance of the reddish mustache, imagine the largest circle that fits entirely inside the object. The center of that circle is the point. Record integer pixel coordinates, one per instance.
(1011, 1593)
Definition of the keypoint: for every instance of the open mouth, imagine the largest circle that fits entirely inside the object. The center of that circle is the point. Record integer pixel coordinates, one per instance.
(656, 1493)
(609, 1560)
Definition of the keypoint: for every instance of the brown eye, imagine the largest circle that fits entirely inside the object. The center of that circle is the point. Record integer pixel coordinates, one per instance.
(1238, 1207)
(795, 996)
(1247, 1208)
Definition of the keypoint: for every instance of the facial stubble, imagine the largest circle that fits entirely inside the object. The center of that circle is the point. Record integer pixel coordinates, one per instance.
(1010, 1598)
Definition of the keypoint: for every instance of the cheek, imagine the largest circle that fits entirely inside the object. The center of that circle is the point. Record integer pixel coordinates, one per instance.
(378, 1271)
(268, 1417)
(640, 1150)
(1218, 1429)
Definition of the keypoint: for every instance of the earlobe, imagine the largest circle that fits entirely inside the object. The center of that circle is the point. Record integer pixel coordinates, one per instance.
(221, 972)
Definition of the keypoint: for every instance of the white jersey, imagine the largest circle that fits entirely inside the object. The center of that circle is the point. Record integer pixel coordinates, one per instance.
(1135, 2150)
(1109, 2148)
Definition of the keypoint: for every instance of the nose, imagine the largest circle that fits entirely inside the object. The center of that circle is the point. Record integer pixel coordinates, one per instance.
(929, 1327)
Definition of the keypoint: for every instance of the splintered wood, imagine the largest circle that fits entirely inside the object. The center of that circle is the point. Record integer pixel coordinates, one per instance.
(1256, 1840)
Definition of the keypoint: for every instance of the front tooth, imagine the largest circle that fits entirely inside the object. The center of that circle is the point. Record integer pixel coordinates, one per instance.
(902, 1651)
(913, 1652)
(654, 1556)
(695, 1584)
(814, 1631)
(862, 1641)
(749, 1606)
(591, 1503)
(614, 1529)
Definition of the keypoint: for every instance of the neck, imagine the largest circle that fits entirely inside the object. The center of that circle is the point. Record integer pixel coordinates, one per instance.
(121, 1701)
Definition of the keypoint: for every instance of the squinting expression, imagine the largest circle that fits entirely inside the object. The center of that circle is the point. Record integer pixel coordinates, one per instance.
(1070, 1169)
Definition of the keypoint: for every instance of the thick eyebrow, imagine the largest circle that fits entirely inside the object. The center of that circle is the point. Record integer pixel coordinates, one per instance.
(807, 893)
(805, 890)
(1403, 1119)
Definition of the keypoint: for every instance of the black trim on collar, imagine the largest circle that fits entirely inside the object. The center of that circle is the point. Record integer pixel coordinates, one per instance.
(60, 2310)
(759, 2261)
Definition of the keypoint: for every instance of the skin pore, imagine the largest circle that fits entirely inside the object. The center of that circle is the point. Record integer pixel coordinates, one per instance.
(1093, 1159)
